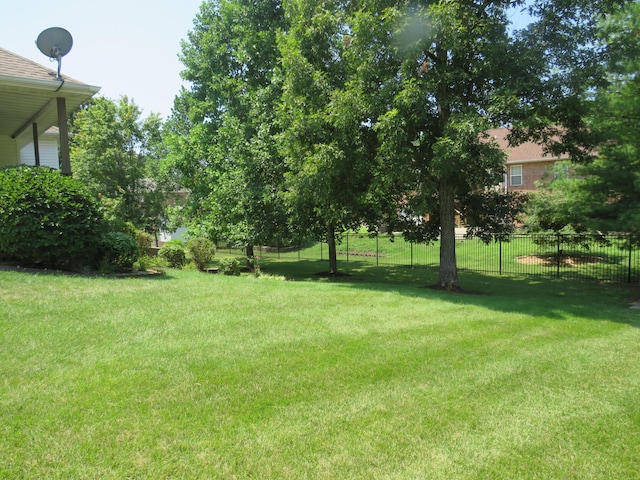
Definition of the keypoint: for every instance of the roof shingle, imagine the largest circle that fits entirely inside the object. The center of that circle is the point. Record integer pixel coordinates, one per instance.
(13, 65)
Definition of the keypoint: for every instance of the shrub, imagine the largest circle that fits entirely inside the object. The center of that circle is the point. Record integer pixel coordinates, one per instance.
(144, 239)
(125, 227)
(229, 266)
(174, 254)
(254, 265)
(47, 219)
(202, 251)
(189, 266)
(146, 262)
(119, 251)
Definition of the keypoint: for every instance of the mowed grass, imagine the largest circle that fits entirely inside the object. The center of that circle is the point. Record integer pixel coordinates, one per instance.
(522, 255)
(191, 375)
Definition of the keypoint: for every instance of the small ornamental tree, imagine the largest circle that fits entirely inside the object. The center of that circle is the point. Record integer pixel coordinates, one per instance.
(47, 219)
(202, 251)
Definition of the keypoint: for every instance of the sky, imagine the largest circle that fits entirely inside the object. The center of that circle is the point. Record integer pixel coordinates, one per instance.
(126, 47)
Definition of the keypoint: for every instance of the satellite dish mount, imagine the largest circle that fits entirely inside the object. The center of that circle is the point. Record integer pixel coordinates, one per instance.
(55, 43)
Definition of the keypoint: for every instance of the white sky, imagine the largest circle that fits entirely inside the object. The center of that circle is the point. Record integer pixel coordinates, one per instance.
(126, 47)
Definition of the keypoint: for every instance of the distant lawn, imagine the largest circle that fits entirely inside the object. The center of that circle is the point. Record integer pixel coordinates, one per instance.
(534, 255)
(192, 375)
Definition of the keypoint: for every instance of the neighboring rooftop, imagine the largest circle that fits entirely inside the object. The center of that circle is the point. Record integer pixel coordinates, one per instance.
(526, 152)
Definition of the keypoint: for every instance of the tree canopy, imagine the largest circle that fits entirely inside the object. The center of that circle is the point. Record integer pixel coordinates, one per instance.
(327, 121)
(602, 192)
(345, 113)
(117, 155)
(223, 129)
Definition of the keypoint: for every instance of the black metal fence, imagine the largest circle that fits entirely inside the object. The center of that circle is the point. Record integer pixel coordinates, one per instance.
(608, 258)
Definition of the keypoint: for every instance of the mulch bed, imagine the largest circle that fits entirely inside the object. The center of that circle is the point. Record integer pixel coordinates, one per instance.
(551, 260)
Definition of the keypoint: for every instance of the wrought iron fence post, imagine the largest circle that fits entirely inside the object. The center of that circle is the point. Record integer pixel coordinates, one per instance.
(377, 263)
(558, 259)
(500, 257)
(411, 243)
(630, 255)
(347, 247)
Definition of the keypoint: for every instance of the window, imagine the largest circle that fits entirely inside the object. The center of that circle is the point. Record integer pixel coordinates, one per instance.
(515, 172)
(560, 170)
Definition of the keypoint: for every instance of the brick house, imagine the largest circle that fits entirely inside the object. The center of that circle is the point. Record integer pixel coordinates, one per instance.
(526, 164)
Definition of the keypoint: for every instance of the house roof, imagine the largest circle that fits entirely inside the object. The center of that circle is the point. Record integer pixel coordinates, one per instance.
(28, 93)
(526, 152)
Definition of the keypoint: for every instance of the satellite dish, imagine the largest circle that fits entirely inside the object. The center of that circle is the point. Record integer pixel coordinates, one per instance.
(55, 43)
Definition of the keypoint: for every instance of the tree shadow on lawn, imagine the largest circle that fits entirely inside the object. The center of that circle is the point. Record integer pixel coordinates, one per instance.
(532, 296)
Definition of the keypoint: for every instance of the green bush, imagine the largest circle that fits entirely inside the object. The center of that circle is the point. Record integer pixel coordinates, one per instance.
(254, 265)
(230, 266)
(144, 239)
(202, 251)
(119, 250)
(146, 262)
(174, 254)
(47, 219)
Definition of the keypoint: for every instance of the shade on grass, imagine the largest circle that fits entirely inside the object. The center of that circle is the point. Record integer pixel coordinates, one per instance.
(200, 376)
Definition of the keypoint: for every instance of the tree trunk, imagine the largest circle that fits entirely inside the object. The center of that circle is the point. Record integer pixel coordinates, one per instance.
(448, 277)
(250, 254)
(333, 256)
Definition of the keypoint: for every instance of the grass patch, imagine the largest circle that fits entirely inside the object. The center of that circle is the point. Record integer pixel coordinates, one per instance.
(531, 255)
(190, 375)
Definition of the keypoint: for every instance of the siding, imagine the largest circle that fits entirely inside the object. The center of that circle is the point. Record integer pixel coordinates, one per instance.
(8, 153)
(48, 154)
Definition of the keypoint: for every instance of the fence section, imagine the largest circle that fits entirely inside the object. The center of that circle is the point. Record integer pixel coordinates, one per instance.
(610, 258)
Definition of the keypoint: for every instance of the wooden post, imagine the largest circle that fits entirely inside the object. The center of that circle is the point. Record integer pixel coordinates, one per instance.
(65, 162)
(36, 145)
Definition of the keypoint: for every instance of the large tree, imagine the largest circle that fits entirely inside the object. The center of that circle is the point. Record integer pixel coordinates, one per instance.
(117, 153)
(222, 140)
(328, 137)
(602, 193)
(612, 181)
(462, 70)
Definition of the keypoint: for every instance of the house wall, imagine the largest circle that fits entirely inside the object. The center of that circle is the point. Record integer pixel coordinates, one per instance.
(8, 152)
(48, 154)
(532, 172)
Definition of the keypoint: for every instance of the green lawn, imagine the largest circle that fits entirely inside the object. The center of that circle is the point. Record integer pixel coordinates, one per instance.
(191, 375)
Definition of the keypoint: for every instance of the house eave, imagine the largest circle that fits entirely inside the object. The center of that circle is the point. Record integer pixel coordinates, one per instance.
(37, 97)
(51, 88)
(534, 160)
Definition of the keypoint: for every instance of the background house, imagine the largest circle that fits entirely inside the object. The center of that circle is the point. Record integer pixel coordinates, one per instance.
(32, 100)
(526, 164)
